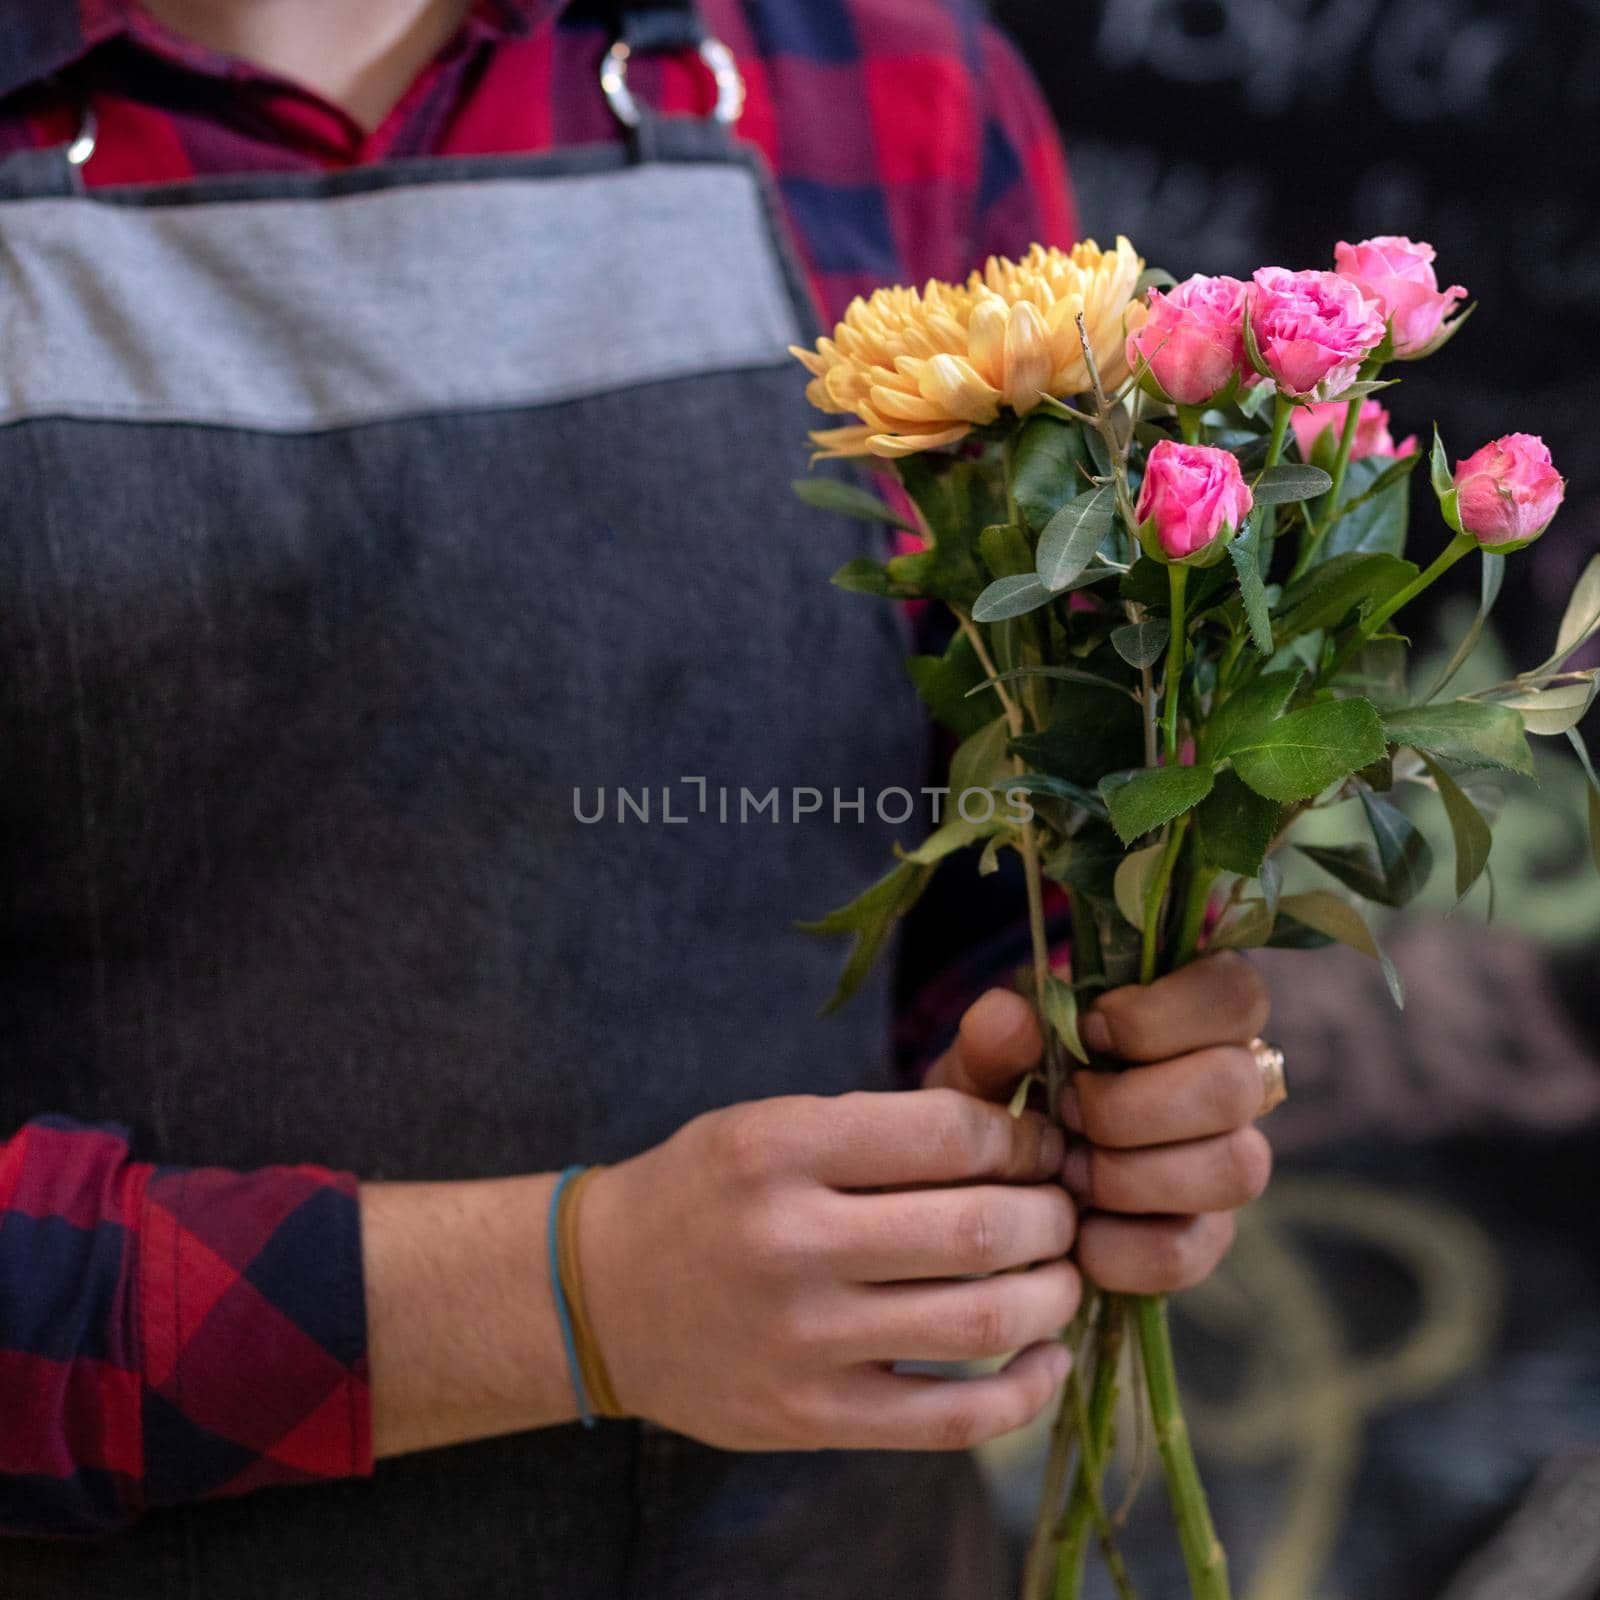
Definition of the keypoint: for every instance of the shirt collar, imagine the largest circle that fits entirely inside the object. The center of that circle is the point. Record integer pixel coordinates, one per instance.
(37, 41)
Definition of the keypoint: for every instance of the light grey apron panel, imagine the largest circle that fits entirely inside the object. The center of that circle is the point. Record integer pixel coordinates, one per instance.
(290, 304)
(290, 870)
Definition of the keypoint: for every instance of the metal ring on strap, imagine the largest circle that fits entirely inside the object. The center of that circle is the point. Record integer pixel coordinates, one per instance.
(718, 61)
(81, 148)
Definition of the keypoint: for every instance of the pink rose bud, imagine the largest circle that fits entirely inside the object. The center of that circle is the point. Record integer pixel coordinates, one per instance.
(1372, 431)
(1193, 339)
(1313, 330)
(1508, 492)
(1193, 500)
(1399, 275)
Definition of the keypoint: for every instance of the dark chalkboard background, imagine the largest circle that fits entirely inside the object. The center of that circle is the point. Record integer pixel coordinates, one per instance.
(1438, 1199)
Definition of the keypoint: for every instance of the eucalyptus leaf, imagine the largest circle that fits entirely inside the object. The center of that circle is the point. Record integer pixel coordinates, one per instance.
(1154, 797)
(1073, 535)
(1470, 733)
(1067, 674)
(1299, 755)
(1337, 919)
(1472, 836)
(952, 835)
(1010, 597)
(1289, 482)
(1006, 550)
(1361, 391)
(864, 576)
(1057, 789)
(1132, 884)
(1141, 644)
(1048, 467)
(1553, 710)
(1403, 853)
(1248, 927)
(849, 500)
(980, 760)
(870, 920)
(1582, 616)
(1059, 1003)
(1581, 750)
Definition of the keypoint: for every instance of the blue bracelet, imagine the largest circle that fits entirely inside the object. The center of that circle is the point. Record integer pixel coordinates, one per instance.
(562, 1314)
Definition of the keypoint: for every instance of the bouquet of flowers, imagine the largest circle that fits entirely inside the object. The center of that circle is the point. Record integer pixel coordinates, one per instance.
(1169, 521)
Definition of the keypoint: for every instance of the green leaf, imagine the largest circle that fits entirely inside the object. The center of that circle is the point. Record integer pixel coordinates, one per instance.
(1403, 852)
(848, 500)
(1298, 756)
(1247, 711)
(1131, 886)
(1059, 1003)
(1245, 552)
(1236, 826)
(1072, 536)
(1153, 278)
(980, 760)
(1328, 593)
(1582, 752)
(1439, 467)
(862, 576)
(1047, 468)
(1363, 390)
(1472, 836)
(1582, 616)
(949, 684)
(1469, 733)
(1092, 732)
(869, 920)
(1025, 1086)
(1140, 644)
(1289, 482)
(1554, 710)
(948, 571)
(949, 837)
(1155, 796)
(1010, 597)
(1378, 671)
(1494, 572)
(1067, 674)
(1375, 517)
(1337, 919)
(1006, 550)
(1057, 789)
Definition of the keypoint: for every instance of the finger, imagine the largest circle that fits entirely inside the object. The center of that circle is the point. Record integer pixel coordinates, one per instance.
(1193, 1097)
(965, 1321)
(1219, 1000)
(951, 1233)
(1218, 1174)
(998, 1041)
(886, 1141)
(879, 1410)
(1152, 1255)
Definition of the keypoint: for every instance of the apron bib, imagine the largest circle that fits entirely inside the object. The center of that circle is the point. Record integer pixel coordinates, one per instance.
(361, 536)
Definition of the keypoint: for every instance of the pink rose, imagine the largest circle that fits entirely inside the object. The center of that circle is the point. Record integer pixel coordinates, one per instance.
(1372, 431)
(1193, 499)
(1193, 339)
(1399, 275)
(1509, 492)
(1313, 329)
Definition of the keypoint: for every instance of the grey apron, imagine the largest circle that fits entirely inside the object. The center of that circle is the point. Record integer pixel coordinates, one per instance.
(348, 526)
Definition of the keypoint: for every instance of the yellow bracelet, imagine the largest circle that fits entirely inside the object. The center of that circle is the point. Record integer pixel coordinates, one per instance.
(596, 1379)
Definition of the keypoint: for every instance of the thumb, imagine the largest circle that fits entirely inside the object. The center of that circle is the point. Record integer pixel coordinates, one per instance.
(997, 1042)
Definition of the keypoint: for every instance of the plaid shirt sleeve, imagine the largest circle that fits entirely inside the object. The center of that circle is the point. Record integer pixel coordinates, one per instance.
(170, 1334)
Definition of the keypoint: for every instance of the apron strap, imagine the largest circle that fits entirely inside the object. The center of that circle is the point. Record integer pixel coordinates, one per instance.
(51, 173)
(646, 27)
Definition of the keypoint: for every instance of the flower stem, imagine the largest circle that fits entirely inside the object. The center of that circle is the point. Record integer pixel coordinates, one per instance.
(1452, 553)
(1203, 1555)
(1327, 512)
(1177, 647)
(1282, 411)
(1155, 898)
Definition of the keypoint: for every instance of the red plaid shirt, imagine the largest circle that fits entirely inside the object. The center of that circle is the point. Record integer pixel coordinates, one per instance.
(140, 1304)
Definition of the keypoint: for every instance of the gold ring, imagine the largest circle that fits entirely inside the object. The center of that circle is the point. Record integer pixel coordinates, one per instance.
(1274, 1085)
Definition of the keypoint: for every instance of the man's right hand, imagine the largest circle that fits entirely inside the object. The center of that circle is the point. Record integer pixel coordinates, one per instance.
(751, 1280)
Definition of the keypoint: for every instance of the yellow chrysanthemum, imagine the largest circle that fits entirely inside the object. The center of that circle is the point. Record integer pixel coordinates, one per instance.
(922, 369)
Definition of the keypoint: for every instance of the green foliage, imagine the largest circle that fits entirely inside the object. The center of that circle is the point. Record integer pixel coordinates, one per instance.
(1245, 553)
(946, 684)
(1092, 733)
(1282, 485)
(1141, 644)
(1297, 756)
(1006, 550)
(1152, 798)
(1011, 597)
(1376, 510)
(1050, 466)
(870, 920)
(1467, 825)
(1329, 593)
(1235, 826)
(848, 500)
(1469, 733)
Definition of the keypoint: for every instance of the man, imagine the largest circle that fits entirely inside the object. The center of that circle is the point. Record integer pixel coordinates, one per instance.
(287, 885)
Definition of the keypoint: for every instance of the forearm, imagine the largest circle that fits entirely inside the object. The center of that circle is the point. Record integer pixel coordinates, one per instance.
(463, 1339)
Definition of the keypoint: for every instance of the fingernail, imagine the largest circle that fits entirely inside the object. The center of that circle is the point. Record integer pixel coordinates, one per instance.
(1052, 1149)
(1095, 1032)
(1071, 1111)
(1075, 1172)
